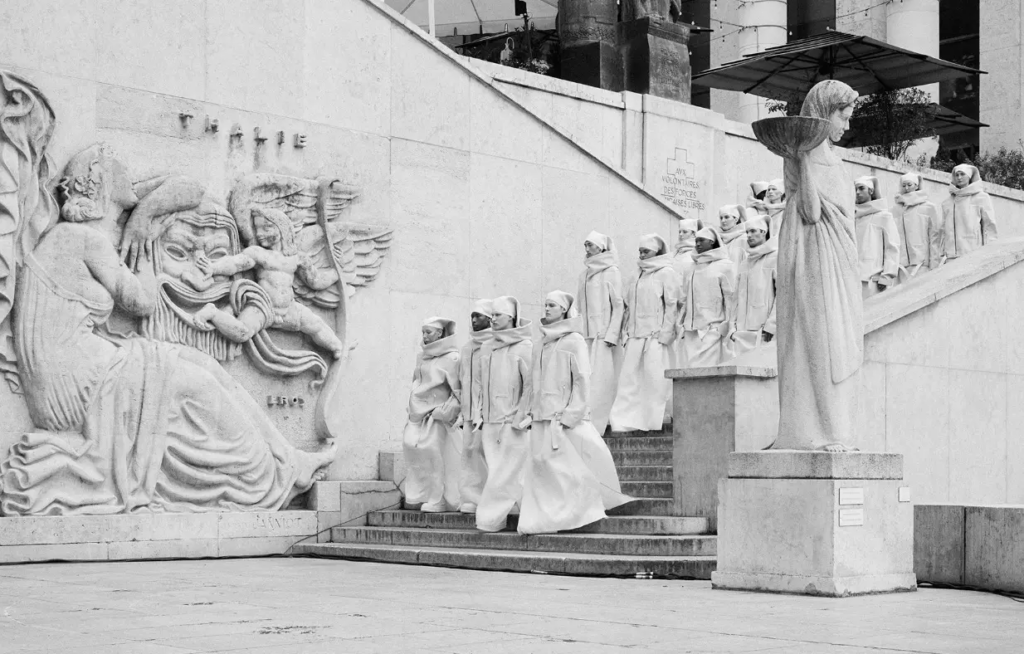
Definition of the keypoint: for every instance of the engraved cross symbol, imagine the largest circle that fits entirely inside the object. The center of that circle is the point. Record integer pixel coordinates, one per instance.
(680, 165)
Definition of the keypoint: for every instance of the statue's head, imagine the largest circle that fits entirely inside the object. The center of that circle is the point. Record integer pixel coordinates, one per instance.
(273, 230)
(834, 101)
(95, 185)
(207, 231)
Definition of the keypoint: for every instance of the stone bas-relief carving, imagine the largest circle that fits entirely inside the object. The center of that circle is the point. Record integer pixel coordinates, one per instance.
(820, 314)
(669, 10)
(139, 415)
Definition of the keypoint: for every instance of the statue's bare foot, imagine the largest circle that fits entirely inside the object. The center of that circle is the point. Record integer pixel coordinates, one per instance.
(312, 466)
(838, 447)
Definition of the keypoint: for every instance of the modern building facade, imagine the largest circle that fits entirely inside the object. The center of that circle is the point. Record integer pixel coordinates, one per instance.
(982, 34)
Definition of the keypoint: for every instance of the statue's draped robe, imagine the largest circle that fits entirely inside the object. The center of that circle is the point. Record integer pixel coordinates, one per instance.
(820, 314)
(134, 426)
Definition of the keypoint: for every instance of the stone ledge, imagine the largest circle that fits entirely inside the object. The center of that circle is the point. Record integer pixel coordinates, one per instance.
(814, 585)
(153, 527)
(793, 464)
(948, 279)
(153, 536)
(760, 372)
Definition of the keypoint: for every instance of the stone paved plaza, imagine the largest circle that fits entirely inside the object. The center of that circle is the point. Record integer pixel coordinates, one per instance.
(282, 606)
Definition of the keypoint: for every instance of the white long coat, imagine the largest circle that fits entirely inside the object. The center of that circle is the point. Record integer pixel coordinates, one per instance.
(571, 477)
(969, 220)
(920, 228)
(755, 296)
(878, 242)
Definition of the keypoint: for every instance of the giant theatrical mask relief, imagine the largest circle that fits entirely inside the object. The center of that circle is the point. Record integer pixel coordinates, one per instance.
(120, 300)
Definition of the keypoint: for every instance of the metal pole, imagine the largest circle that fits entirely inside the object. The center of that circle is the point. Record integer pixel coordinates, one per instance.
(430, 18)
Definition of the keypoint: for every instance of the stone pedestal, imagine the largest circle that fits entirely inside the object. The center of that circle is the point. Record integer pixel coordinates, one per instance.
(589, 55)
(656, 58)
(715, 412)
(815, 523)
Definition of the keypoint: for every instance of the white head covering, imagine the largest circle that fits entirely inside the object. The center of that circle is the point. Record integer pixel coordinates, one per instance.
(689, 224)
(870, 181)
(758, 187)
(507, 305)
(600, 240)
(730, 210)
(565, 300)
(709, 234)
(778, 184)
(483, 307)
(911, 177)
(654, 242)
(757, 222)
(973, 170)
(446, 326)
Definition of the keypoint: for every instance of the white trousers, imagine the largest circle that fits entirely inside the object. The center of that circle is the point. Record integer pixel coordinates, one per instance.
(506, 450)
(644, 398)
(474, 468)
(432, 457)
(605, 365)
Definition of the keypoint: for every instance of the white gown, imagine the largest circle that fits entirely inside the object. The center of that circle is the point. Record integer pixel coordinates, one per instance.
(571, 478)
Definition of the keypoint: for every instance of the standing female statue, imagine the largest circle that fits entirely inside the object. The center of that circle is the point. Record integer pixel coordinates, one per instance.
(820, 323)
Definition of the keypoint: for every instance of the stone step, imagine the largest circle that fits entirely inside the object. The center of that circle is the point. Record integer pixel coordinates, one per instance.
(618, 544)
(641, 458)
(640, 443)
(637, 434)
(677, 567)
(635, 525)
(647, 488)
(645, 473)
(652, 506)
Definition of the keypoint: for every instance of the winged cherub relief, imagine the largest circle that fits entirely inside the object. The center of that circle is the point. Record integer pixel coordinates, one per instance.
(277, 264)
(299, 250)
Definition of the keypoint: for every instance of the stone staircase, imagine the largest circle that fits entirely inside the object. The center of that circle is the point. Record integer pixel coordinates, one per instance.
(639, 538)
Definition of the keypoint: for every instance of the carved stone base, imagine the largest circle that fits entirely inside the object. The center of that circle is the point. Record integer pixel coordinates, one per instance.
(656, 58)
(815, 523)
(596, 63)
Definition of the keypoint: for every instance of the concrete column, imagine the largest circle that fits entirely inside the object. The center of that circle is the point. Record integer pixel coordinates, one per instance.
(914, 25)
(764, 26)
(717, 411)
(1002, 55)
(587, 29)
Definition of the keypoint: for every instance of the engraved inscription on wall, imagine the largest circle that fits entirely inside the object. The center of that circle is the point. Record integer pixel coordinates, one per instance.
(680, 188)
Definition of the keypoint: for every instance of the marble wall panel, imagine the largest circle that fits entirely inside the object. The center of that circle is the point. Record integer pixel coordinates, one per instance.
(45, 35)
(980, 339)
(1015, 439)
(679, 168)
(559, 153)
(916, 339)
(74, 101)
(136, 47)
(430, 201)
(253, 55)
(429, 97)
(506, 230)
(918, 427)
(574, 205)
(873, 396)
(501, 129)
(977, 433)
(347, 70)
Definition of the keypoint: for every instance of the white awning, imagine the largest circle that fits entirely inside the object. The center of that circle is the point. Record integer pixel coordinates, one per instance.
(474, 16)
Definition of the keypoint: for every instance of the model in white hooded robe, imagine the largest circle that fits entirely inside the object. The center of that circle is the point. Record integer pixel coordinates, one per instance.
(643, 400)
(601, 309)
(732, 231)
(967, 214)
(431, 444)
(571, 479)
(708, 300)
(683, 263)
(474, 466)
(754, 314)
(878, 242)
(773, 207)
(919, 225)
(505, 393)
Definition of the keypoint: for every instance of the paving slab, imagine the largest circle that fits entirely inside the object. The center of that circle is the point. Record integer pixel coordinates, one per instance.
(311, 606)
